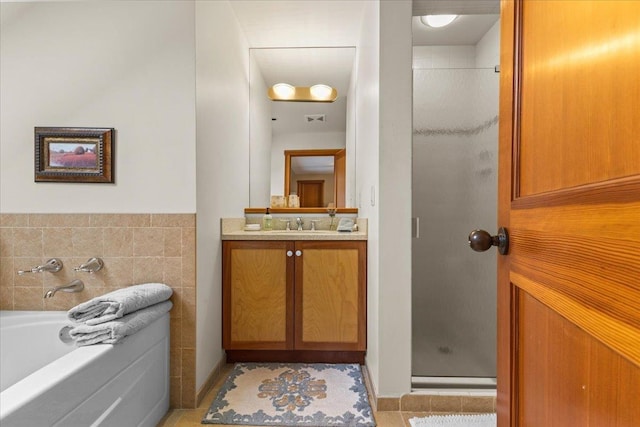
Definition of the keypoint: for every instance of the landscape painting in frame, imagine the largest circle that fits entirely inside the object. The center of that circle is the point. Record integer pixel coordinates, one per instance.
(69, 154)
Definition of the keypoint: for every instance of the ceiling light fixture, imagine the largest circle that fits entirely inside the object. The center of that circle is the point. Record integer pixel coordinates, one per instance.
(437, 21)
(315, 93)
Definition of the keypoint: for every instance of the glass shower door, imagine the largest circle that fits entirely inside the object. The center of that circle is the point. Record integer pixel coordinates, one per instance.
(455, 165)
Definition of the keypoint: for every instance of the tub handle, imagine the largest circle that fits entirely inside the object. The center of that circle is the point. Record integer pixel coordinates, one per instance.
(52, 266)
(91, 266)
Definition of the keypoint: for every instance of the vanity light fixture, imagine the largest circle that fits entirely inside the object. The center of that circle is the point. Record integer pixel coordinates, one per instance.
(284, 90)
(437, 21)
(315, 93)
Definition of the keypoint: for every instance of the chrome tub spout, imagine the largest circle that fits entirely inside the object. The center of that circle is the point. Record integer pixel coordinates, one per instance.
(75, 286)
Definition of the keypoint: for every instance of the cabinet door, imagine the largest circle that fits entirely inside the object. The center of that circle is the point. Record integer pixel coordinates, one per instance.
(257, 295)
(330, 294)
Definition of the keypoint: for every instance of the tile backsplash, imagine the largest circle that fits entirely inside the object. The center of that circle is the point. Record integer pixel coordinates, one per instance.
(135, 248)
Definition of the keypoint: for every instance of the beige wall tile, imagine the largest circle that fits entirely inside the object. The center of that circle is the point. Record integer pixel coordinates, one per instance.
(451, 404)
(148, 269)
(6, 297)
(415, 402)
(57, 242)
(188, 378)
(120, 220)
(6, 242)
(118, 242)
(25, 298)
(175, 392)
(6, 272)
(173, 220)
(118, 272)
(58, 220)
(173, 272)
(189, 317)
(148, 242)
(388, 404)
(14, 220)
(389, 419)
(172, 242)
(175, 364)
(477, 404)
(88, 242)
(27, 242)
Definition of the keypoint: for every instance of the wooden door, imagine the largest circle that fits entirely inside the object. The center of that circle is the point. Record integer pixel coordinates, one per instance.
(311, 193)
(340, 173)
(330, 296)
(257, 295)
(569, 190)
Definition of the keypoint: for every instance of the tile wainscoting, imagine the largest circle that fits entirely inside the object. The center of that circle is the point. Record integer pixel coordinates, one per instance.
(135, 248)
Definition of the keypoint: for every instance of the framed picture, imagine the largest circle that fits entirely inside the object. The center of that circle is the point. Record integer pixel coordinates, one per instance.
(69, 154)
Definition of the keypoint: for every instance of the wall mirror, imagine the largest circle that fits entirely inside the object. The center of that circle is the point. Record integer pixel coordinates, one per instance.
(312, 133)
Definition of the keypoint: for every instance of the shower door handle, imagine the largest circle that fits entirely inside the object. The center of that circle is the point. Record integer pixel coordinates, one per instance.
(480, 240)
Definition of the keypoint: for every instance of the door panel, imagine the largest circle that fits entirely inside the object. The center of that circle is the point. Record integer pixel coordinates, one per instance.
(580, 60)
(330, 295)
(569, 194)
(258, 295)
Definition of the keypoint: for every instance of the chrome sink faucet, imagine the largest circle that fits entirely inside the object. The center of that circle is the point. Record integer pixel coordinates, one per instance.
(299, 222)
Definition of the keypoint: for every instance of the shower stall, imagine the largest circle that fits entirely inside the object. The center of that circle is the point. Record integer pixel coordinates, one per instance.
(455, 164)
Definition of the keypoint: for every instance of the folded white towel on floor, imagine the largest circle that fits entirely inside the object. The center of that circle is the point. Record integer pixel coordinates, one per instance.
(114, 331)
(119, 303)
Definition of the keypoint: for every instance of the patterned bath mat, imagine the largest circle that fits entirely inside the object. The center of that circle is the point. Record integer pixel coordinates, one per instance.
(292, 394)
(482, 420)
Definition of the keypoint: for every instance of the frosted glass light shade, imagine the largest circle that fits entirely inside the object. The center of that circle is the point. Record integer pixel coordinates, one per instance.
(284, 90)
(437, 21)
(321, 91)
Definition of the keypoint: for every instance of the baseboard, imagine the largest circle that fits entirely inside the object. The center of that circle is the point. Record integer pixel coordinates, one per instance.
(211, 380)
(379, 404)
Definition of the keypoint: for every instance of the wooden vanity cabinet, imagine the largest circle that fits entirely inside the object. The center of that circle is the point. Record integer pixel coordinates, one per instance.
(294, 300)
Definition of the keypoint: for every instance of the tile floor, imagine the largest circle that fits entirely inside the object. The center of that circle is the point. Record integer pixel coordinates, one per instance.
(192, 417)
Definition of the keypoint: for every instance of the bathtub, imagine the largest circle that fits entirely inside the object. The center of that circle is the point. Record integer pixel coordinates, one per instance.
(47, 382)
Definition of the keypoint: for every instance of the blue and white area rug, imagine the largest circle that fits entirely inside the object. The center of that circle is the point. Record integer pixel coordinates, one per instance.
(482, 420)
(292, 394)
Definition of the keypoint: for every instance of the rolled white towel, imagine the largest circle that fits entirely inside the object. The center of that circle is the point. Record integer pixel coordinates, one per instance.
(119, 303)
(114, 331)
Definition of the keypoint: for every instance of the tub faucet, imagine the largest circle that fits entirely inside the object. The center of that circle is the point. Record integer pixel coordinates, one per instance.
(52, 266)
(75, 286)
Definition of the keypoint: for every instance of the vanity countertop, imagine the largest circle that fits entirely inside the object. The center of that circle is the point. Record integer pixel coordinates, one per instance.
(294, 235)
(233, 229)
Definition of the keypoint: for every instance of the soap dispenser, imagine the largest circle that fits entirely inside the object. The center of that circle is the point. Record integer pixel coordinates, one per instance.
(267, 221)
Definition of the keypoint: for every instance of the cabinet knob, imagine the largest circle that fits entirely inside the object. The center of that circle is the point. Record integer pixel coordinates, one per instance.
(298, 253)
(289, 253)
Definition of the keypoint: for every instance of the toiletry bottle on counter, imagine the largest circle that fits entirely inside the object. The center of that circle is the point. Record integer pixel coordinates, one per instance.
(267, 221)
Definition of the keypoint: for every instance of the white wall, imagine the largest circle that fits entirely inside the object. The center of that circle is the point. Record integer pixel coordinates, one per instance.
(298, 141)
(126, 65)
(488, 48)
(367, 146)
(394, 198)
(222, 161)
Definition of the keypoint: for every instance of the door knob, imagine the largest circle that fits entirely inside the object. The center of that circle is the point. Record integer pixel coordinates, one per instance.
(480, 240)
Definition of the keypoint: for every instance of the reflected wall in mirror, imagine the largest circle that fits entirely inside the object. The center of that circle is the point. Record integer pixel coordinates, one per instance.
(316, 176)
(277, 127)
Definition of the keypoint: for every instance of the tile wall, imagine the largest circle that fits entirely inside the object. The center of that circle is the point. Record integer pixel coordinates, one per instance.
(135, 248)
